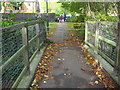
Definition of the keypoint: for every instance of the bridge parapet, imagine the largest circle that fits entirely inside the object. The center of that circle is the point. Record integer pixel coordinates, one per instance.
(104, 38)
(20, 43)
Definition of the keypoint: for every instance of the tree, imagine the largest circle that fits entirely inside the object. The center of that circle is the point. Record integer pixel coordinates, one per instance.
(98, 10)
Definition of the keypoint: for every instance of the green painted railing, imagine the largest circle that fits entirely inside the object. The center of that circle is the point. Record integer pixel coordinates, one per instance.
(104, 37)
(20, 43)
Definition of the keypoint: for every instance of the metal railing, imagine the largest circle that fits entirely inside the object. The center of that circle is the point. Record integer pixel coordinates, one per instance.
(20, 43)
(104, 37)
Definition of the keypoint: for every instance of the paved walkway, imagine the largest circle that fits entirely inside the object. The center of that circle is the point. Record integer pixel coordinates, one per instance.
(69, 69)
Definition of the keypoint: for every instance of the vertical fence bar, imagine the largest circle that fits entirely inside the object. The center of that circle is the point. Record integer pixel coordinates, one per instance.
(38, 34)
(25, 42)
(44, 29)
(86, 31)
(118, 48)
(96, 35)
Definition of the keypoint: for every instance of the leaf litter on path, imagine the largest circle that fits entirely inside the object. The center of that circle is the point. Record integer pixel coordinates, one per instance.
(45, 66)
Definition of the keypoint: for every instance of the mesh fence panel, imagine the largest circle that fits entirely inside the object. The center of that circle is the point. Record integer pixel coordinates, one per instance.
(11, 43)
(108, 50)
(91, 39)
(31, 32)
(108, 30)
(32, 48)
(92, 27)
(12, 72)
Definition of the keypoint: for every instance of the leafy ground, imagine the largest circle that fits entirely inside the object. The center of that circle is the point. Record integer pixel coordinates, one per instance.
(67, 64)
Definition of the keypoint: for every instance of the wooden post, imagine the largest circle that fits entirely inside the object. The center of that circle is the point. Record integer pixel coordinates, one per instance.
(38, 34)
(86, 31)
(44, 30)
(1, 46)
(118, 49)
(96, 35)
(26, 53)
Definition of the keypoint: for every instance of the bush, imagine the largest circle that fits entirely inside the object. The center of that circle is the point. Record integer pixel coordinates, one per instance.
(7, 22)
(81, 18)
(72, 19)
(102, 18)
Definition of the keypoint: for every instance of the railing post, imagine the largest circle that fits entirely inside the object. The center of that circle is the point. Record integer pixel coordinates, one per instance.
(118, 49)
(96, 35)
(26, 53)
(43, 29)
(38, 34)
(86, 31)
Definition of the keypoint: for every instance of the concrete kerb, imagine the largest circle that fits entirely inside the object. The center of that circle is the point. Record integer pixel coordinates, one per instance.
(26, 80)
(104, 64)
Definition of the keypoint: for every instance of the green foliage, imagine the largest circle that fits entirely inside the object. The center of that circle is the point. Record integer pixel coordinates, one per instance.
(80, 33)
(97, 10)
(72, 19)
(8, 22)
(80, 18)
(102, 18)
(11, 15)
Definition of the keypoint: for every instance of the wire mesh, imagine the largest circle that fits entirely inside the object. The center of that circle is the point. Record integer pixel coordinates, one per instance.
(91, 27)
(109, 50)
(11, 43)
(32, 48)
(91, 39)
(31, 32)
(12, 72)
(108, 30)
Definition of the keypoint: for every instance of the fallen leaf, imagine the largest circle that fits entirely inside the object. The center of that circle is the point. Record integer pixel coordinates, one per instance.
(83, 69)
(91, 83)
(65, 74)
(96, 82)
(44, 82)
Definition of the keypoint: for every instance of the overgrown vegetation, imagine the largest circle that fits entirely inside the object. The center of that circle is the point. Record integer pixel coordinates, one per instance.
(11, 15)
(91, 11)
(7, 22)
(102, 11)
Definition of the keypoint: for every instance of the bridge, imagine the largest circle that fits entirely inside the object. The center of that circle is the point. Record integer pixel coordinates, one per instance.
(31, 59)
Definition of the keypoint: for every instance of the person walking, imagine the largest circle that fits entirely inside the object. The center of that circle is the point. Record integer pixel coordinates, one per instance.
(64, 17)
(60, 18)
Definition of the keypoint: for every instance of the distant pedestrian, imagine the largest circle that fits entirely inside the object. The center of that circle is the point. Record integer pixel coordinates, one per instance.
(64, 17)
(60, 18)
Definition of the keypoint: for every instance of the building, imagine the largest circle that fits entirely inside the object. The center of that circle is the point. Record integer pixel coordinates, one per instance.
(23, 6)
